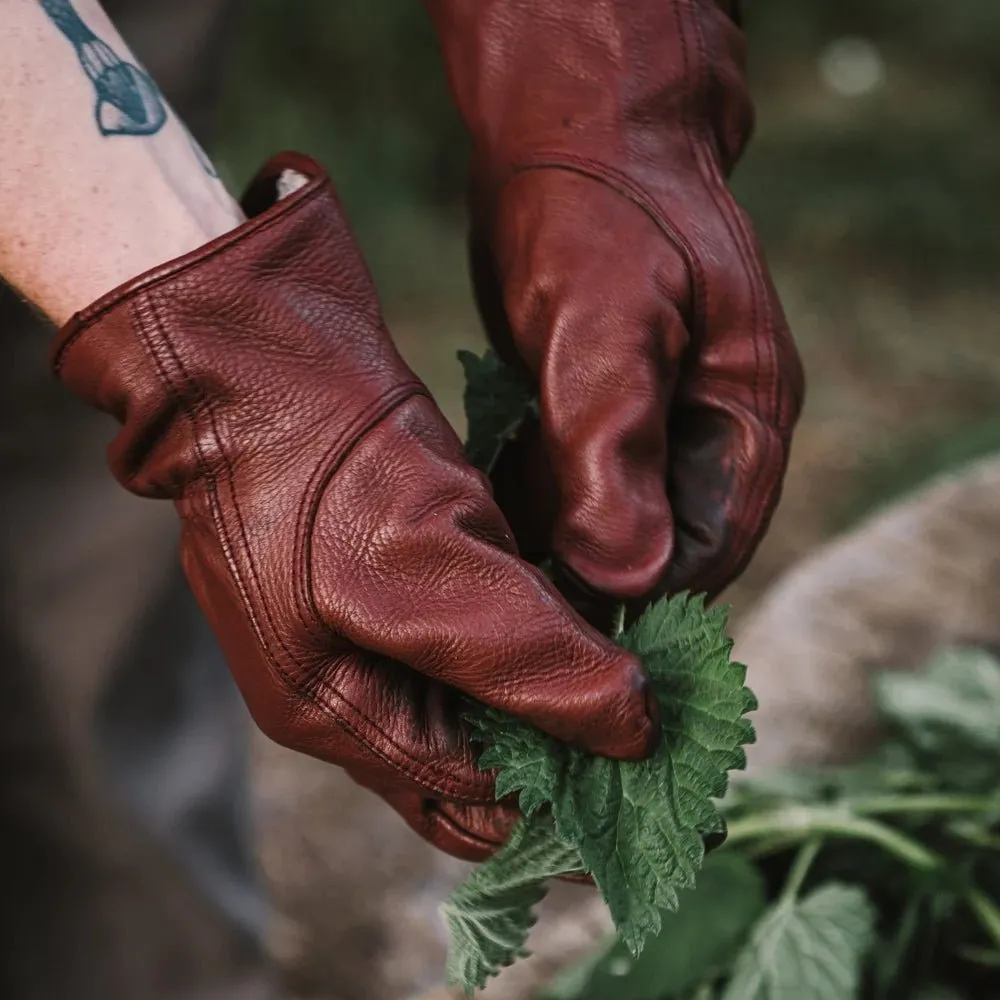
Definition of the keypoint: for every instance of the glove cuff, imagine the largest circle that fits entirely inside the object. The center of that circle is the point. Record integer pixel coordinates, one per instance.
(214, 346)
(260, 198)
(636, 87)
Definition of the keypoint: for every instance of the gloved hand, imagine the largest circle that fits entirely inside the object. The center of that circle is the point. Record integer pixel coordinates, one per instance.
(355, 569)
(613, 266)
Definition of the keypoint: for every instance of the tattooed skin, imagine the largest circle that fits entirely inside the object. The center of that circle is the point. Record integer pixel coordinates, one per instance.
(128, 102)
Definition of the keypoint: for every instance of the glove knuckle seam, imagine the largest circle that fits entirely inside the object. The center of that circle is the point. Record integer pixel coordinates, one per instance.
(199, 413)
(409, 766)
(326, 469)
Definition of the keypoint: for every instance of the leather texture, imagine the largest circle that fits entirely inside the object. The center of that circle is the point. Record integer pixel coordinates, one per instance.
(612, 264)
(354, 568)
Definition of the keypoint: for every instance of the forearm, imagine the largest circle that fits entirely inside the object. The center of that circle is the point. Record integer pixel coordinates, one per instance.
(100, 179)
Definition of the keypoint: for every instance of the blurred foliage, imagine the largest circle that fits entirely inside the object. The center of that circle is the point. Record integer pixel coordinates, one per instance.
(896, 185)
(903, 178)
(899, 466)
(357, 84)
(360, 86)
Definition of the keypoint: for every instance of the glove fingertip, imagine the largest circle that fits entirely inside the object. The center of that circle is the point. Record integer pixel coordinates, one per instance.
(619, 570)
(621, 719)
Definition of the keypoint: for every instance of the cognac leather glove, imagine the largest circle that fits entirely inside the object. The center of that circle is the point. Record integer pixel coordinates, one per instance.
(355, 569)
(613, 266)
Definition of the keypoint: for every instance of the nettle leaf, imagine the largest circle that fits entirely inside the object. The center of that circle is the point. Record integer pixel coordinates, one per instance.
(497, 403)
(491, 913)
(807, 949)
(694, 943)
(948, 715)
(639, 827)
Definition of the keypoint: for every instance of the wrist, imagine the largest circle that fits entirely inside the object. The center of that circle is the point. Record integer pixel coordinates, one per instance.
(96, 239)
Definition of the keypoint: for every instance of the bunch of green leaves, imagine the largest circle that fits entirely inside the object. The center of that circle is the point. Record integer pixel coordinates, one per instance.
(638, 829)
(875, 881)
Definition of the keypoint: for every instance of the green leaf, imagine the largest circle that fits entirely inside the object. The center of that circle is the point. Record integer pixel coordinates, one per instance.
(694, 942)
(497, 403)
(948, 714)
(639, 826)
(491, 913)
(807, 949)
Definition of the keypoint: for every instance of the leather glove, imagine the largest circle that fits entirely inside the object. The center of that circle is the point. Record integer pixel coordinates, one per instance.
(613, 266)
(355, 569)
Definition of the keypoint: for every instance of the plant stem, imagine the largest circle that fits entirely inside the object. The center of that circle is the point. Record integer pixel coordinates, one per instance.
(770, 845)
(618, 628)
(885, 805)
(800, 869)
(810, 822)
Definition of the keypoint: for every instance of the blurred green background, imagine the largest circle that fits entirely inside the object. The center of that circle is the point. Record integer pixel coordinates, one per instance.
(873, 181)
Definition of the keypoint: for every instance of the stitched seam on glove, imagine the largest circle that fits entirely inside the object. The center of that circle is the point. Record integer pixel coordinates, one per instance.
(447, 786)
(79, 324)
(710, 173)
(700, 142)
(622, 184)
(625, 186)
(444, 783)
(437, 817)
(326, 468)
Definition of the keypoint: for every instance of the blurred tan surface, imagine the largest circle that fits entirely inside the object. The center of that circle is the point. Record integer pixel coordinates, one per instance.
(923, 574)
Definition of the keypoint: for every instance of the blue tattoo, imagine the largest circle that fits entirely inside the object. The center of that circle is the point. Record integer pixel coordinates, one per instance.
(128, 102)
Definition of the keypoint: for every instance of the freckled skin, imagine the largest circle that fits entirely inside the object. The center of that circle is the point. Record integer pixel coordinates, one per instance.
(101, 179)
